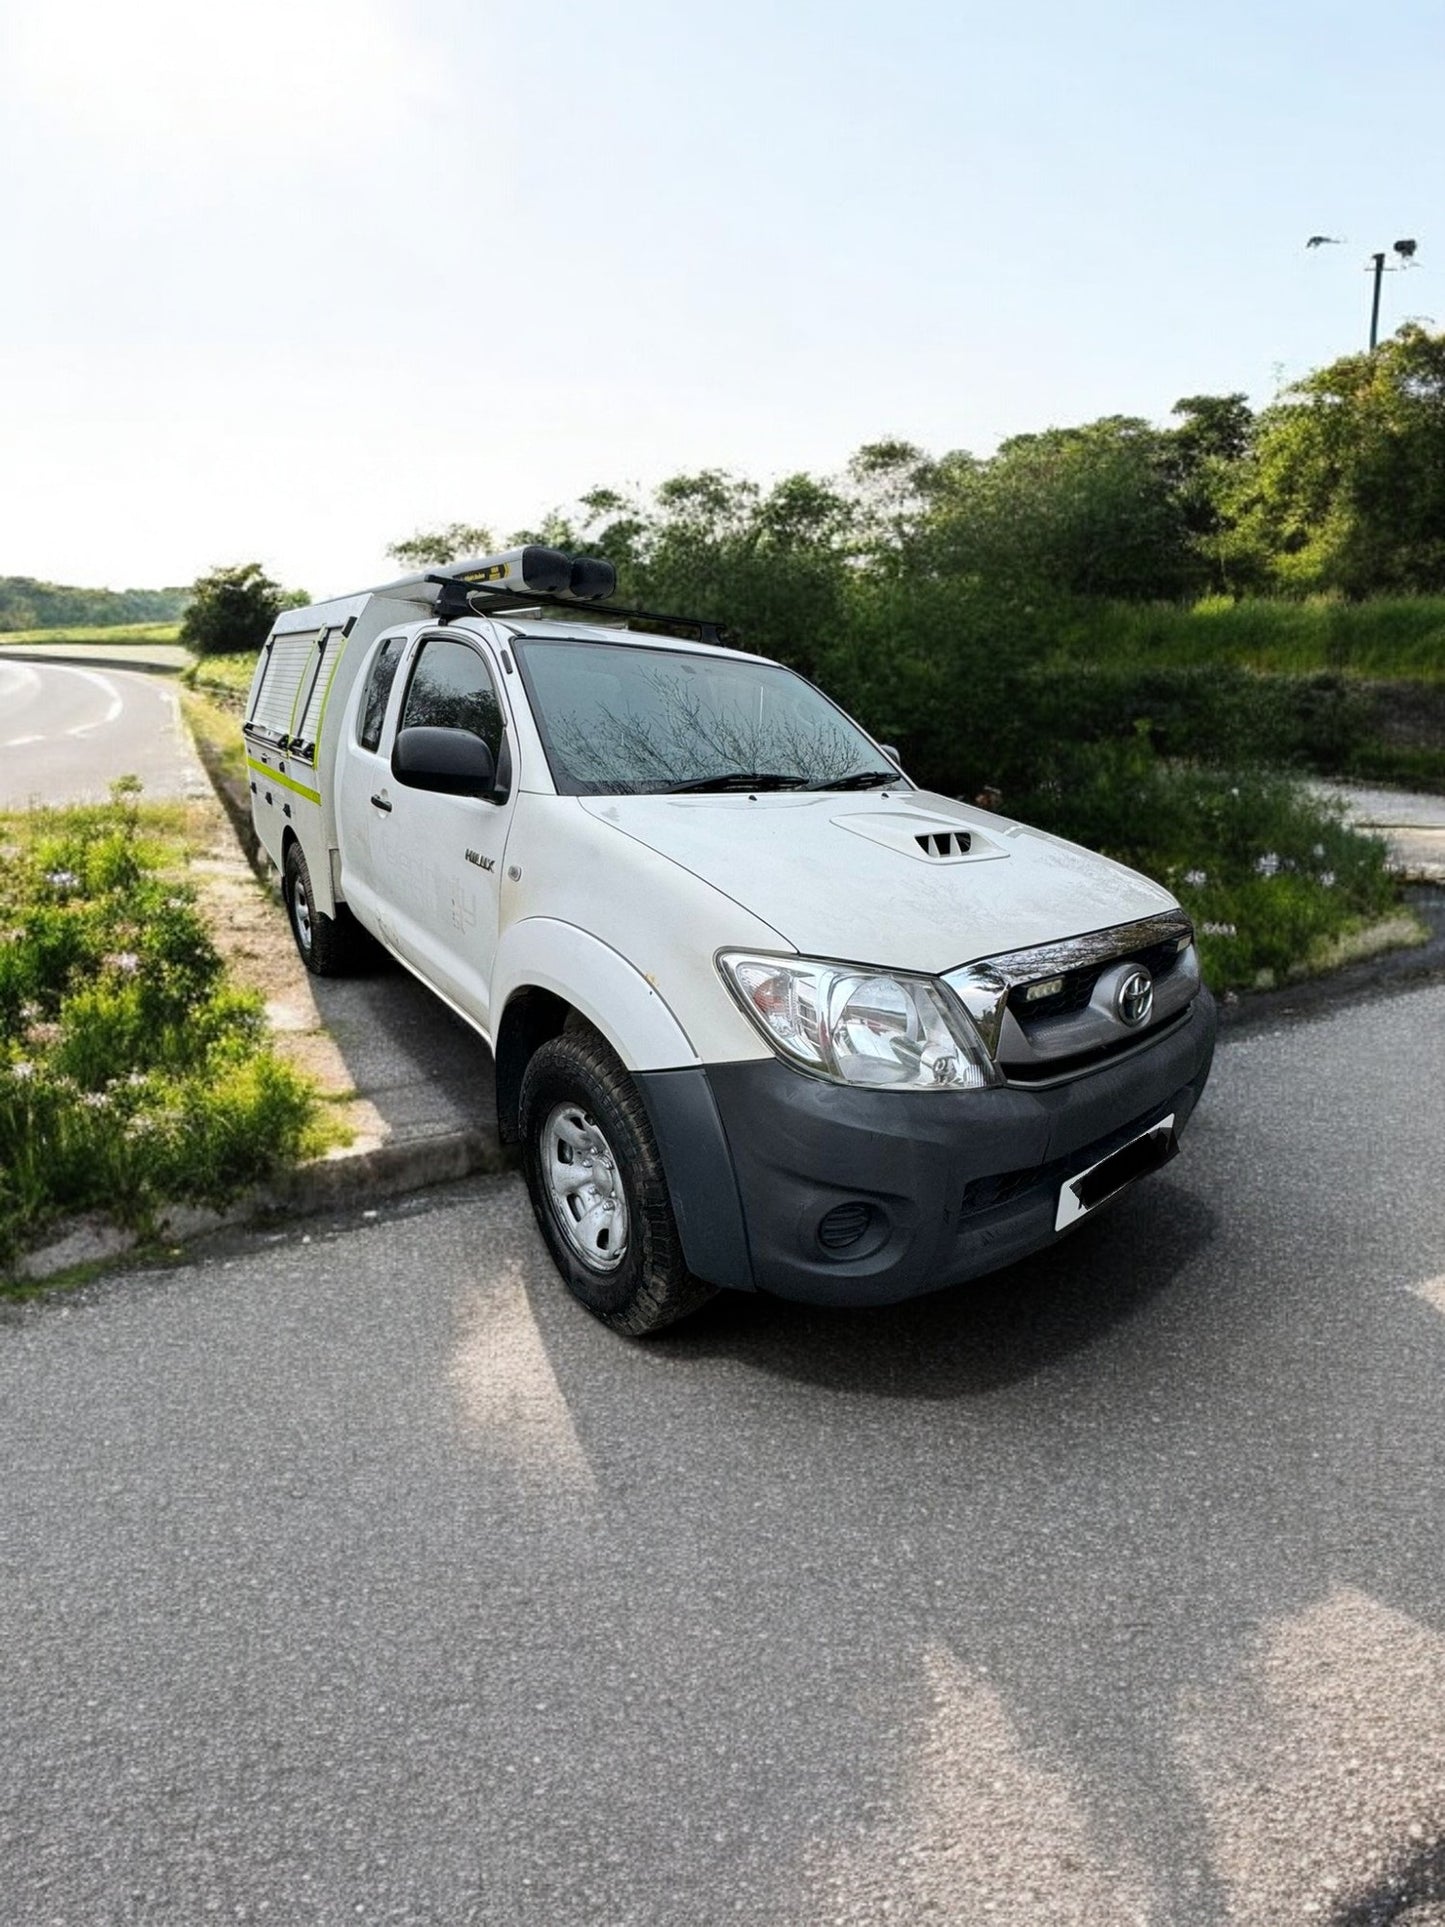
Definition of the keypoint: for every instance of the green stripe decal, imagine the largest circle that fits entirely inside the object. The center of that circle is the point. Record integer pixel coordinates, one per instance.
(286, 782)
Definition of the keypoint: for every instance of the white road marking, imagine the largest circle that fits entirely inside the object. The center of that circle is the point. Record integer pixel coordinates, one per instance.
(106, 687)
(21, 678)
(19, 742)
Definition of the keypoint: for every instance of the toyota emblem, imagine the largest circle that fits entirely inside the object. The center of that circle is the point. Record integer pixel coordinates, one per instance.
(1134, 998)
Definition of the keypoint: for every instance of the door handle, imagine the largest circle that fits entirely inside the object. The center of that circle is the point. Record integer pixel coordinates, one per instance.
(380, 802)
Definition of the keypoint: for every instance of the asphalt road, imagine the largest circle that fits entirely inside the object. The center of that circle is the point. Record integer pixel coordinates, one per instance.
(67, 732)
(353, 1574)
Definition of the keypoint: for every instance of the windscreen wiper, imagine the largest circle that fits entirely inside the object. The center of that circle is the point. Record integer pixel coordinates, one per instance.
(858, 779)
(737, 779)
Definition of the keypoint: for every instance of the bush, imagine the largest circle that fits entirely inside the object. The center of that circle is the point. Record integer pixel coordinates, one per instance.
(1268, 872)
(131, 1073)
(231, 610)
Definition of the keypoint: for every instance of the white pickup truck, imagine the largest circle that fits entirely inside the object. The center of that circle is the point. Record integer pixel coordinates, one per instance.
(764, 1015)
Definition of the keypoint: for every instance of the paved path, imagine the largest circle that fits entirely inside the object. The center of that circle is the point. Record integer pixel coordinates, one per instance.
(68, 731)
(354, 1575)
(165, 657)
(1412, 824)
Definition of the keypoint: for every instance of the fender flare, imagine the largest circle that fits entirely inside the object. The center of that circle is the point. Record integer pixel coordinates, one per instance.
(543, 953)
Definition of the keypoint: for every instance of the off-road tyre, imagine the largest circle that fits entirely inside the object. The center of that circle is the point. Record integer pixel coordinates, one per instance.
(328, 946)
(651, 1286)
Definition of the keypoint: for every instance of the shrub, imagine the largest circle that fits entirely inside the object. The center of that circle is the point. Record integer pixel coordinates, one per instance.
(1268, 871)
(131, 1072)
(231, 610)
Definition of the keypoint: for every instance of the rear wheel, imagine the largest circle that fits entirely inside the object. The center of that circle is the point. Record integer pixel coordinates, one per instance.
(598, 1187)
(328, 945)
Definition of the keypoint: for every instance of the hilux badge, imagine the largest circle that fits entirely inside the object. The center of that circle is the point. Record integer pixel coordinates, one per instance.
(1134, 998)
(482, 862)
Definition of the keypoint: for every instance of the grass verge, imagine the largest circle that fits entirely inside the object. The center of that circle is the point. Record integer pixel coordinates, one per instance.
(1386, 637)
(133, 1073)
(224, 678)
(120, 632)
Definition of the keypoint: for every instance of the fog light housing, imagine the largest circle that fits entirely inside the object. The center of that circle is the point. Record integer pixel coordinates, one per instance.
(841, 1230)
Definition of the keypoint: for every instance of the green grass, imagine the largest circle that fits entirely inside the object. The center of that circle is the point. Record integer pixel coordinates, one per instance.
(121, 632)
(1400, 637)
(226, 677)
(218, 736)
(132, 1073)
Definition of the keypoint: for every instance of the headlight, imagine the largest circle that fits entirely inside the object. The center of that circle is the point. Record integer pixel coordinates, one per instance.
(887, 1031)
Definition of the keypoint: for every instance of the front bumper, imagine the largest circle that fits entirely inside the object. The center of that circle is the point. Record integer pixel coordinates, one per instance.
(945, 1187)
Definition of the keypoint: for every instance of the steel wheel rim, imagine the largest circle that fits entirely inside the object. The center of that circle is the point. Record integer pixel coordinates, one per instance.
(301, 911)
(583, 1183)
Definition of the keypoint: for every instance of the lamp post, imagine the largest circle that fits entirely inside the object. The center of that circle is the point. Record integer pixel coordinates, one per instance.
(1406, 252)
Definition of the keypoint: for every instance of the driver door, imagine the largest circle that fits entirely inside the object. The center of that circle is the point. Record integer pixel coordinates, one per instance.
(456, 843)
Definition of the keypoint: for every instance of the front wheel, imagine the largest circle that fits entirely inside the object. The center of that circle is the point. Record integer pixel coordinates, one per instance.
(598, 1187)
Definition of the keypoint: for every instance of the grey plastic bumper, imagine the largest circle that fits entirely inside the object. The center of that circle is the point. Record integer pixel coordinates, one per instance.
(954, 1184)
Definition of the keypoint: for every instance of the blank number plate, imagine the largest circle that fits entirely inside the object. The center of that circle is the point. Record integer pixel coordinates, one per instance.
(1104, 1180)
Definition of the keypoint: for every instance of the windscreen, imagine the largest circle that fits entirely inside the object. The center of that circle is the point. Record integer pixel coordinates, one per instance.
(624, 719)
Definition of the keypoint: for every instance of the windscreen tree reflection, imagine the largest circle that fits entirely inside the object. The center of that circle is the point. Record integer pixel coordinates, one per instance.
(620, 719)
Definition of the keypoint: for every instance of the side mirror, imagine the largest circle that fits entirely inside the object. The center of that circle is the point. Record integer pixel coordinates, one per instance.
(890, 750)
(452, 761)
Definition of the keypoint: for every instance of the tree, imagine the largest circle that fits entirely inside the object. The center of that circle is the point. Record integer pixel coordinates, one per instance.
(1071, 511)
(1346, 486)
(430, 548)
(1206, 452)
(231, 610)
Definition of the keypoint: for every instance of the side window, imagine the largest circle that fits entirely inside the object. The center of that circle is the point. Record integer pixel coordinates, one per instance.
(451, 688)
(378, 689)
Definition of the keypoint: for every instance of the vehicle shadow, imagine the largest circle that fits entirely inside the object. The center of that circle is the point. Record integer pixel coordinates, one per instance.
(971, 1338)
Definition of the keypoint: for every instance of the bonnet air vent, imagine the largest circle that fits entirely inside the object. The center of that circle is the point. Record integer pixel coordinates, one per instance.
(944, 842)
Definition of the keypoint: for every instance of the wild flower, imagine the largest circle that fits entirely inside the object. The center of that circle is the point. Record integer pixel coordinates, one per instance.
(126, 962)
(95, 1100)
(1219, 929)
(1196, 877)
(1318, 850)
(41, 1036)
(23, 1069)
(1327, 879)
(1267, 865)
(62, 880)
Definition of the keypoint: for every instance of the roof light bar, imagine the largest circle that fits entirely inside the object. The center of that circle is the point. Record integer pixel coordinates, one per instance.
(532, 567)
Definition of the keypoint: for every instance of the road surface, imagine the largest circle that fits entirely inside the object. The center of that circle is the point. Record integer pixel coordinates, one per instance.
(351, 1573)
(67, 732)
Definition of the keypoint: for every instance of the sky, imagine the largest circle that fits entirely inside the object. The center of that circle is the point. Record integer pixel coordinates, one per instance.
(291, 279)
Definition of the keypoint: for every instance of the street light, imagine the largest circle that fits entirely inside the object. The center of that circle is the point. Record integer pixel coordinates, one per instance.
(1406, 251)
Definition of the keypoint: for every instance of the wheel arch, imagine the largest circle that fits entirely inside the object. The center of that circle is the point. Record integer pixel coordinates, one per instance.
(318, 868)
(550, 975)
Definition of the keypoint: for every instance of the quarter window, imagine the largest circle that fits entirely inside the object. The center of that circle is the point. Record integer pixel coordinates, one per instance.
(378, 689)
(452, 688)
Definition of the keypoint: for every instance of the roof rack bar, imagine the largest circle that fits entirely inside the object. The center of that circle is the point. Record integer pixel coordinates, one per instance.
(483, 598)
